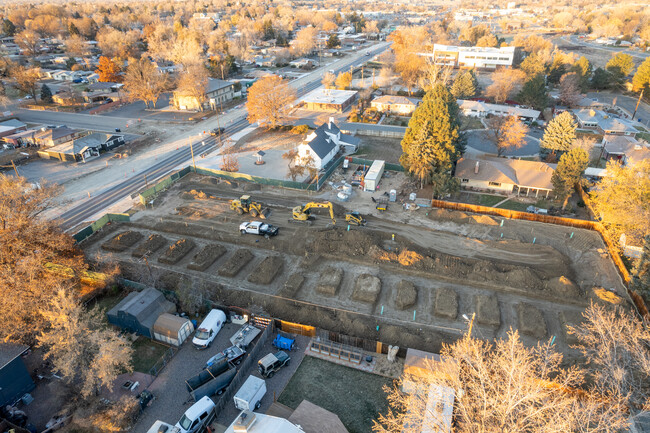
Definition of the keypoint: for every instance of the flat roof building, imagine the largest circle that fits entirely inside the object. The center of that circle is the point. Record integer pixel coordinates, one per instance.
(330, 100)
(473, 57)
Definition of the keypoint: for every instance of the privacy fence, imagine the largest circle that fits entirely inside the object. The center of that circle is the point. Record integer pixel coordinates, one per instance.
(97, 225)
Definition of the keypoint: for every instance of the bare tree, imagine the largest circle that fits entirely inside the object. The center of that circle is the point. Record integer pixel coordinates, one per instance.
(305, 41)
(115, 43)
(294, 168)
(144, 82)
(343, 80)
(570, 89)
(192, 84)
(269, 101)
(29, 41)
(434, 73)
(26, 79)
(328, 80)
(507, 132)
(76, 46)
(505, 83)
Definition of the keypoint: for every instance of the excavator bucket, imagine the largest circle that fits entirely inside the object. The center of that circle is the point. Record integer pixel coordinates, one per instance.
(264, 213)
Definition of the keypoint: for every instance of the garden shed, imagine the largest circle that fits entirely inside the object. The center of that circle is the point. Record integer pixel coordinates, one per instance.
(139, 311)
(15, 380)
(172, 329)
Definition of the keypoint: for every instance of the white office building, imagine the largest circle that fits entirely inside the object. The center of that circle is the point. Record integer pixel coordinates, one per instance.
(473, 57)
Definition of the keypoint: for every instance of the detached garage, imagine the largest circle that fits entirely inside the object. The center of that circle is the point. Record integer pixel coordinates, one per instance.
(139, 311)
(172, 329)
(15, 380)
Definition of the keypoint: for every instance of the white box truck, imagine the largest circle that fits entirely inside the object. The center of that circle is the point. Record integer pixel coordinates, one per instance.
(250, 394)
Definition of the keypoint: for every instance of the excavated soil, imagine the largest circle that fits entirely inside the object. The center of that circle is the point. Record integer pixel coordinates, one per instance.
(570, 318)
(292, 285)
(446, 304)
(330, 280)
(150, 246)
(122, 241)
(531, 321)
(266, 271)
(176, 251)
(206, 257)
(235, 263)
(487, 310)
(562, 287)
(406, 295)
(367, 288)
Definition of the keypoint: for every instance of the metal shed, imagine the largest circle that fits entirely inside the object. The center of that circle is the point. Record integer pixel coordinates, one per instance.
(372, 178)
(139, 311)
(172, 329)
(15, 380)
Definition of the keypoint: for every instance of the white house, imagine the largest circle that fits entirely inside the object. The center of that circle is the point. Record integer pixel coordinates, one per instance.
(483, 109)
(473, 57)
(395, 104)
(325, 142)
(604, 122)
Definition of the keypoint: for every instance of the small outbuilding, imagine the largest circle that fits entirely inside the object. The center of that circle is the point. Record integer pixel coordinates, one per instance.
(15, 380)
(372, 178)
(172, 329)
(139, 311)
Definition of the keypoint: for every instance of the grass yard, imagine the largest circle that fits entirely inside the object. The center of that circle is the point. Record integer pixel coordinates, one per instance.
(644, 136)
(514, 205)
(467, 123)
(489, 200)
(355, 396)
(146, 353)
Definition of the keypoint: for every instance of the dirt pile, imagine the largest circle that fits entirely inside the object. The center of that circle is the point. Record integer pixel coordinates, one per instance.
(196, 195)
(531, 321)
(366, 289)
(406, 295)
(266, 271)
(563, 287)
(292, 285)
(177, 251)
(235, 263)
(206, 257)
(353, 243)
(150, 246)
(487, 310)
(122, 241)
(329, 281)
(446, 304)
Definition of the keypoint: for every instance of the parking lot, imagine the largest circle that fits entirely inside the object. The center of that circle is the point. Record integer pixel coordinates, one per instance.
(172, 398)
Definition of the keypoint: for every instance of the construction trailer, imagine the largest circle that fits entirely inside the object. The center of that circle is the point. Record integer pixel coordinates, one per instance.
(373, 176)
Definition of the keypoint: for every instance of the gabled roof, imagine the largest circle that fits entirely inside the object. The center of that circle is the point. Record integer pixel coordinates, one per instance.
(55, 133)
(320, 144)
(9, 352)
(215, 84)
(315, 419)
(529, 174)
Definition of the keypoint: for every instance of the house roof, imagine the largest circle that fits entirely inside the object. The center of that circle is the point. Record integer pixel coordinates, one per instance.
(94, 140)
(605, 121)
(9, 352)
(329, 96)
(395, 100)
(320, 144)
(215, 84)
(55, 133)
(529, 174)
(315, 419)
(168, 325)
(145, 306)
(13, 123)
(486, 107)
(626, 145)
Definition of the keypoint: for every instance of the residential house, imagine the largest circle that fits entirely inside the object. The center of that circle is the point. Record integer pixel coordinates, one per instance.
(603, 122)
(330, 100)
(217, 93)
(302, 63)
(483, 109)
(264, 61)
(395, 104)
(213, 16)
(474, 57)
(48, 137)
(20, 139)
(11, 126)
(15, 380)
(325, 142)
(83, 148)
(624, 149)
(507, 176)
(67, 98)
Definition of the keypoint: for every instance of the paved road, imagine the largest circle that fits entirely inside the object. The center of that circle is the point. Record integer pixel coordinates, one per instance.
(73, 120)
(626, 102)
(156, 171)
(573, 39)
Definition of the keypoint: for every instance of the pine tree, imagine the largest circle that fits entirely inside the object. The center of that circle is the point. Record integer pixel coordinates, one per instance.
(641, 276)
(568, 172)
(465, 85)
(73, 30)
(432, 142)
(534, 93)
(8, 28)
(584, 70)
(641, 79)
(560, 133)
(46, 94)
(601, 79)
(620, 66)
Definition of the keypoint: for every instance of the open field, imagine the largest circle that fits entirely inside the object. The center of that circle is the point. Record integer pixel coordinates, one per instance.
(355, 396)
(416, 288)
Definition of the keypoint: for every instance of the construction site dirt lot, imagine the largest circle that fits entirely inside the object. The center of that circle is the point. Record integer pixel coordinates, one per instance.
(407, 278)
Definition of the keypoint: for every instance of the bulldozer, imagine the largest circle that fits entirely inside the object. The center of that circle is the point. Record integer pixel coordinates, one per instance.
(246, 205)
(355, 218)
(302, 213)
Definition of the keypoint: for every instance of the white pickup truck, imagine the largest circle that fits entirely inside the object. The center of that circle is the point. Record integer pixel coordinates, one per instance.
(258, 228)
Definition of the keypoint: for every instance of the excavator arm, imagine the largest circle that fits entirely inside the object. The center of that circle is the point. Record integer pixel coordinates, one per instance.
(304, 212)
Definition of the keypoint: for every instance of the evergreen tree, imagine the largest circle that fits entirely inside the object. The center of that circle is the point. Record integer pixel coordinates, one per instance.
(533, 65)
(584, 70)
(46, 94)
(333, 41)
(534, 93)
(73, 30)
(465, 85)
(601, 79)
(432, 142)
(8, 28)
(641, 275)
(641, 79)
(568, 173)
(620, 66)
(560, 133)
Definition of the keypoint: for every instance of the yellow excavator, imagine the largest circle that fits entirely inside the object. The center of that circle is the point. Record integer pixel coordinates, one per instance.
(302, 213)
(246, 205)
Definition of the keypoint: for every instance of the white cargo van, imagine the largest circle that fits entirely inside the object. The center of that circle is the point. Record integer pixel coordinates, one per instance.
(197, 417)
(209, 328)
(250, 394)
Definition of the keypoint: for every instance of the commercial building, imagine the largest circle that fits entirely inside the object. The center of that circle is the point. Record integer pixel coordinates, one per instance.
(474, 57)
(330, 100)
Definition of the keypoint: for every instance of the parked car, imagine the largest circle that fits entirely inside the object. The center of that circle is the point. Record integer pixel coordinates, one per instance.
(250, 395)
(233, 354)
(208, 329)
(258, 228)
(197, 417)
(217, 131)
(272, 363)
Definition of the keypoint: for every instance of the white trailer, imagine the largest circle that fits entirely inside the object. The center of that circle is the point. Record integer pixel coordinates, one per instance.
(250, 394)
(372, 178)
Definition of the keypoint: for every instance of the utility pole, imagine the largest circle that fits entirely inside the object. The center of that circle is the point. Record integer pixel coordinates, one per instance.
(192, 152)
(15, 169)
(361, 76)
(637, 103)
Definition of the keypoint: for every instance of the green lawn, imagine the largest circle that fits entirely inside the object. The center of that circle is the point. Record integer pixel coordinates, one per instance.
(514, 205)
(489, 200)
(146, 353)
(644, 136)
(355, 396)
(467, 123)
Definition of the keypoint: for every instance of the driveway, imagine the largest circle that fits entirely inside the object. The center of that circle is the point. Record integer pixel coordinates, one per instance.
(480, 143)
